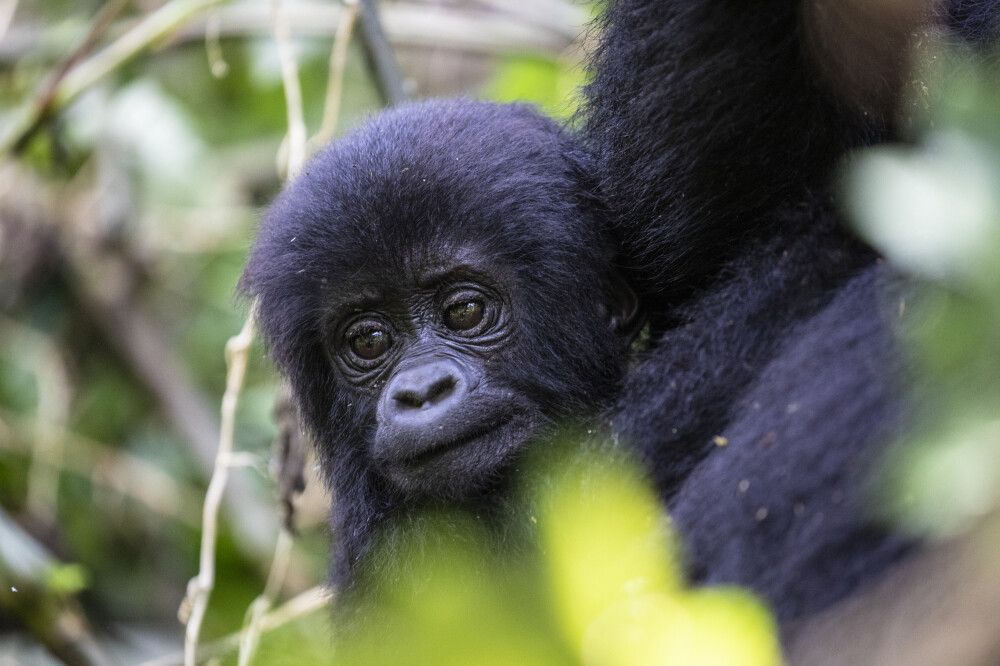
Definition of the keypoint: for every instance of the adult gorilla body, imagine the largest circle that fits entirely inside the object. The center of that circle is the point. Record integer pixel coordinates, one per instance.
(716, 136)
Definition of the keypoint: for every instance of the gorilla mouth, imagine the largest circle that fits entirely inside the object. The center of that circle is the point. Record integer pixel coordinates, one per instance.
(438, 450)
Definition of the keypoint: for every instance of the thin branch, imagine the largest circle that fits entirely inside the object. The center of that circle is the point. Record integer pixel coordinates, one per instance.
(7, 11)
(294, 609)
(151, 29)
(213, 47)
(54, 396)
(46, 98)
(381, 59)
(335, 82)
(253, 626)
(200, 588)
(296, 159)
(293, 90)
(237, 351)
(137, 337)
(463, 29)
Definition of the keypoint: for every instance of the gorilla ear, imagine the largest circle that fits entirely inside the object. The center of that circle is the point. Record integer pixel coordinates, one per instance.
(624, 313)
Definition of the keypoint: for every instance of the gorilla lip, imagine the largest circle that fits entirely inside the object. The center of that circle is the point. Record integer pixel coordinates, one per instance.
(438, 449)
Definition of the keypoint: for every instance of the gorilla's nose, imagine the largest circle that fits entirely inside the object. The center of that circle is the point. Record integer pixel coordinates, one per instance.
(420, 395)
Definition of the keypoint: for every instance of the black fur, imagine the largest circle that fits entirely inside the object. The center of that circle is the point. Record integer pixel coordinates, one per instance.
(706, 118)
(773, 384)
(976, 21)
(419, 187)
(785, 506)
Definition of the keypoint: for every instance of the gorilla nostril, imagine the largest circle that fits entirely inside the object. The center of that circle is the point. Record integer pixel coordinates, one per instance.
(427, 393)
(441, 389)
(408, 398)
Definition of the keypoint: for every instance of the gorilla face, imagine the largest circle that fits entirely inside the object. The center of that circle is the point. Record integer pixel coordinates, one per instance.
(438, 288)
(423, 352)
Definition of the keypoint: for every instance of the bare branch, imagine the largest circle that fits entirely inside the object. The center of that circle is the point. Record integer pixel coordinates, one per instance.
(335, 83)
(296, 159)
(409, 24)
(294, 609)
(253, 626)
(381, 59)
(293, 90)
(45, 100)
(200, 587)
(154, 27)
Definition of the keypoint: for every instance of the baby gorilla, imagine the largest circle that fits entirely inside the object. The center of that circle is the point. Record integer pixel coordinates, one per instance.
(438, 288)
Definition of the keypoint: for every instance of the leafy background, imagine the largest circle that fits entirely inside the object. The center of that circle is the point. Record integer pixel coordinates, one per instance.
(124, 224)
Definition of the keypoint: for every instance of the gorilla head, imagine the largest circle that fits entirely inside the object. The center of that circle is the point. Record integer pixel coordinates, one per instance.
(438, 288)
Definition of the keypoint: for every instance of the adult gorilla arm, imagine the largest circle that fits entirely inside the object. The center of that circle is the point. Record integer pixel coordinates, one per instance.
(707, 116)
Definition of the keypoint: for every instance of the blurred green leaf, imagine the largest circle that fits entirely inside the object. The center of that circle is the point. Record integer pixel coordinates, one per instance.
(933, 208)
(605, 540)
(552, 85)
(600, 584)
(933, 211)
(66, 579)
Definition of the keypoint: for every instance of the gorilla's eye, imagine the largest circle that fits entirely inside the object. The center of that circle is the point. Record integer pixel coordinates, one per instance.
(369, 344)
(464, 315)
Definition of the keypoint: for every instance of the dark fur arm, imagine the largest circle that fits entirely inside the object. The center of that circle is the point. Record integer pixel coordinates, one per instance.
(705, 114)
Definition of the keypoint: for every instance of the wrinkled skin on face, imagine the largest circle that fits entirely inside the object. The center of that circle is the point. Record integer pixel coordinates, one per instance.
(438, 289)
(421, 353)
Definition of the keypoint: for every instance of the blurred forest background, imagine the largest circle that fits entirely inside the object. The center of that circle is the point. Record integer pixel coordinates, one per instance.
(140, 141)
